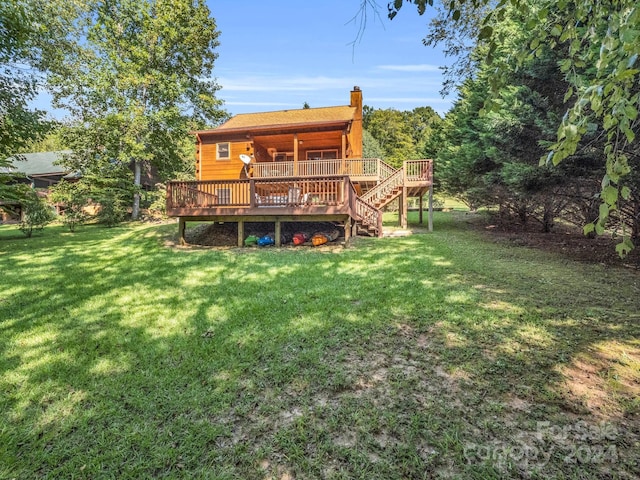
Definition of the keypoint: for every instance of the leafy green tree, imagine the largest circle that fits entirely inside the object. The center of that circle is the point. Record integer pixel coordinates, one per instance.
(402, 135)
(422, 123)
(492, 158)
(136, 84)
(51, 142)
(18, 124)
(370, 146)
(597, 46)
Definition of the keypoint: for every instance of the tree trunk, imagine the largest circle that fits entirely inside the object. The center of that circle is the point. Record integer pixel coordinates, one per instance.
(548, 217)
(137, 175)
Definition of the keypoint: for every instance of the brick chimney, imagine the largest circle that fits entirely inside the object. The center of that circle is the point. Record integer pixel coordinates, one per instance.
(355, 134)
(356, 101)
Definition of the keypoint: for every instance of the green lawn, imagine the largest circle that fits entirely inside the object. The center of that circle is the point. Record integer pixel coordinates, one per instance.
(434, 355)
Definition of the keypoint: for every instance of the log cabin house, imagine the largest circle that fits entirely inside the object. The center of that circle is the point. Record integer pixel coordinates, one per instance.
(301, 165)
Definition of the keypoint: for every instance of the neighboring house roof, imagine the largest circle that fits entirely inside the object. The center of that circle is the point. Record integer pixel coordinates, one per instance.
(285, 118)
(40, 164)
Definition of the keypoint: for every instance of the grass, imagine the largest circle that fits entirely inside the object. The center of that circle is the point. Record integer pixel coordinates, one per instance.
(434, 355)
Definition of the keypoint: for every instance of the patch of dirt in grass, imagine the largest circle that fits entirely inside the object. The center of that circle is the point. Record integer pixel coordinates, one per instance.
(605, 380)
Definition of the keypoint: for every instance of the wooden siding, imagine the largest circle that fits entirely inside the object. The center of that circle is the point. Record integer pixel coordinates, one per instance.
(231, 169)
(293, 132)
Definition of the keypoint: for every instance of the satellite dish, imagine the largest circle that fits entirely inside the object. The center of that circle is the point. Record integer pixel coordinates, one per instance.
(246, 159)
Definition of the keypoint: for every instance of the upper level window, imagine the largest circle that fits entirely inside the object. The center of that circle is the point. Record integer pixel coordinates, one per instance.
(283, 157)
(222, 151)
(322, 154)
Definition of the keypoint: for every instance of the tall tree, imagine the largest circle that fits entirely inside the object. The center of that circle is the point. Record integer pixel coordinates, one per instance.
(18, 124)
(479, 159)
(137, 81)
(402, 135)
(598, 43)
(370, 146)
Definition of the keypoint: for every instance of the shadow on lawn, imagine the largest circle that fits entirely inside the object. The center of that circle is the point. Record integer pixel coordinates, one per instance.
(388, 360)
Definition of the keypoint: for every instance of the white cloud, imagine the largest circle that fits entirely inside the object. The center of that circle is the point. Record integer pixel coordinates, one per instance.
(425, 100)
(260, 104)
(282, 84)
(423, 67)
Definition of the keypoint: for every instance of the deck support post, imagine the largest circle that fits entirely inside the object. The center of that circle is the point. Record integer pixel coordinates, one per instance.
(240, 233)
(420, 206)
(347, 231)
(182, 226)
(431, 207)
(403, 207)
(278, 238)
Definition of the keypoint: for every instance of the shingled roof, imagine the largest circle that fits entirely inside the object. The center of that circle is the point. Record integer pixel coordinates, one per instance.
(285, 118)
(42, 163)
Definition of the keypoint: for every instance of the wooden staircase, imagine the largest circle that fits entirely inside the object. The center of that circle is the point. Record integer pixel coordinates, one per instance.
(390, 188)
(386, 191)
(375, 199)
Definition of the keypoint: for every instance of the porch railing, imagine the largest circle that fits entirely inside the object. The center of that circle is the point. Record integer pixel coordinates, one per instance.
(274, 192)
(354, 167)
(418, 170)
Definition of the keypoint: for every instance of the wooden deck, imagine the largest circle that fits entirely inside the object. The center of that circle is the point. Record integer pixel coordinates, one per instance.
(275, 196)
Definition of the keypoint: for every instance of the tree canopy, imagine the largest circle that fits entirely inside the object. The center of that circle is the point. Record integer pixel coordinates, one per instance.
(596, 45)
(137, 79)
(401, 135)
(18, 86)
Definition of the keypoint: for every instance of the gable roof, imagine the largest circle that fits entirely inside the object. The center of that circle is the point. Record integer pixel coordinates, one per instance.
(42, 163)
(286, 118)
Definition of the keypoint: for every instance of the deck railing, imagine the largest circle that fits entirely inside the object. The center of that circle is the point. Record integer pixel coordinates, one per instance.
(418, 170)
(208, 193)
(274, 192)
(273, 169)
(354, 167)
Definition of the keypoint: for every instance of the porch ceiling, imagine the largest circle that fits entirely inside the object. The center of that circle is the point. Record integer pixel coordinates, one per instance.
(310, 141)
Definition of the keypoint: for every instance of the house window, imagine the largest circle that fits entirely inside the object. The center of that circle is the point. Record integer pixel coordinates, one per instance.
(222, 151)
(322, 154)
(283, 157)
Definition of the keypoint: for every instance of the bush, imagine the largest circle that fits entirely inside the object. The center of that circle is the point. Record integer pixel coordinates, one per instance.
(156, 201)
(36, 213)
(113, 210)
(74, 199)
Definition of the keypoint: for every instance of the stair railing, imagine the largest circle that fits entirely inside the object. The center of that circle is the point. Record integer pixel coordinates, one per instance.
(369, 215)
(384, 188)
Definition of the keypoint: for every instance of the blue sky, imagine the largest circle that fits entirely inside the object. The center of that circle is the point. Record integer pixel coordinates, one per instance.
(280, 54)
(277, 55)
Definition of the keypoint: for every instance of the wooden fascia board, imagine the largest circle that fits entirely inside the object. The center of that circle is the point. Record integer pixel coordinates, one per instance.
(274, 129)
(45, 175)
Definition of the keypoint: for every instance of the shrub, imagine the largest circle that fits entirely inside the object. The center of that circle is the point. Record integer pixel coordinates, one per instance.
(113, 210)
(36, 213)
(74, 199)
